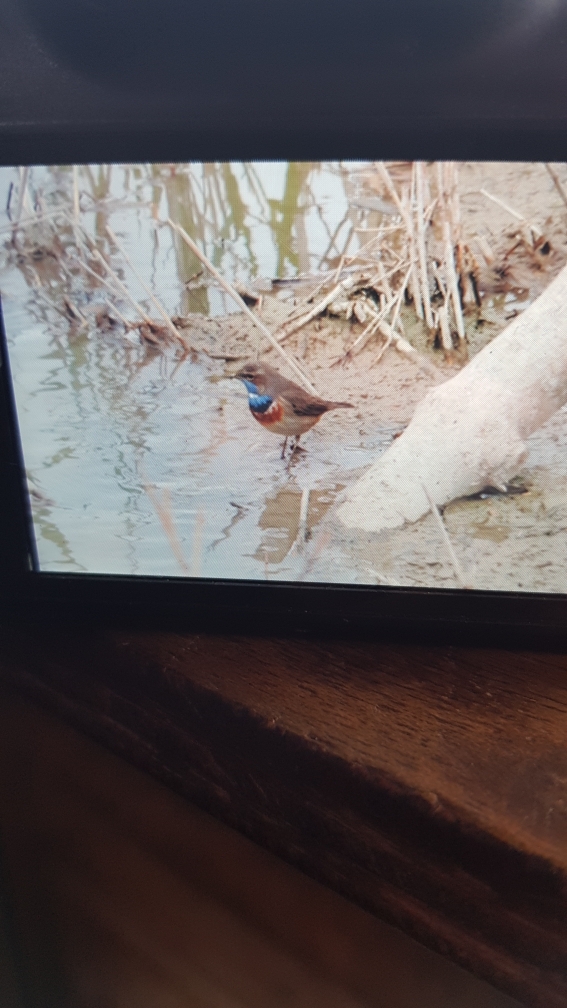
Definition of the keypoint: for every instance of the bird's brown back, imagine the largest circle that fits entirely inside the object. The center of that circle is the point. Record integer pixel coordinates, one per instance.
(306, 405)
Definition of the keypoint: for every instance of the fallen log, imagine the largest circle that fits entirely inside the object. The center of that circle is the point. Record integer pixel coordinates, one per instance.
(470, 432)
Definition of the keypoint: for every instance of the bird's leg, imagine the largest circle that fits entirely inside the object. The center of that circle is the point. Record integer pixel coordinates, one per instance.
(284, 448)
(293, 451)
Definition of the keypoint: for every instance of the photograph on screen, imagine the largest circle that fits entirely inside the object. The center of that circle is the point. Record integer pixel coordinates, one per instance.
(349, 373)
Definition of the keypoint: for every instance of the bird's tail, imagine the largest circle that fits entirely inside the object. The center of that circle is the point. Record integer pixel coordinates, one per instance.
(339, 405)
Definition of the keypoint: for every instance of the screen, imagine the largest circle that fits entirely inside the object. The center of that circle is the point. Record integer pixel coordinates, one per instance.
(336, 372)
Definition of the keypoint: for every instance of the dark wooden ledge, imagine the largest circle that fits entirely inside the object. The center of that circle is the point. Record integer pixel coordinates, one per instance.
(427, 784)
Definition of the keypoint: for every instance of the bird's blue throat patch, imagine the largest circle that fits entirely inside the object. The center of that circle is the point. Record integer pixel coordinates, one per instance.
(258, 403)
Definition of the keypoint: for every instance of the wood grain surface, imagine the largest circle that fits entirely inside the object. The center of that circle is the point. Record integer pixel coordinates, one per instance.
(427, 784)
(127, 896)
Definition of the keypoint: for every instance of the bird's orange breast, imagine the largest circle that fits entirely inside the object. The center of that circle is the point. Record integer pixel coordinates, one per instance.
(280, 419)
(271, 416)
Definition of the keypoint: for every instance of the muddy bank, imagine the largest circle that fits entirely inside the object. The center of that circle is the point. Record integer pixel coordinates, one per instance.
(512, 543)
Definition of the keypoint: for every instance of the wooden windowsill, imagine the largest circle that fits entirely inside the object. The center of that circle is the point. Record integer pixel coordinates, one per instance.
(426, 784)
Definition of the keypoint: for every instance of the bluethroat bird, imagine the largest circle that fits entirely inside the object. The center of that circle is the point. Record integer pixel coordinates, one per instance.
(280, 405)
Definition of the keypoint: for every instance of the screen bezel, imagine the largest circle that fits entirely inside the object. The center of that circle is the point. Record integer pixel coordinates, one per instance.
(252, 606)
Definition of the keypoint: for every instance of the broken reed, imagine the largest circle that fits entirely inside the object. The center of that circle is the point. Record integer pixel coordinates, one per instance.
(419, 259)
(428, 269)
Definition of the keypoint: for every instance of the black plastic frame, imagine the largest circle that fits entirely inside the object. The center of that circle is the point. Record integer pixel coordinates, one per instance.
(249, 606)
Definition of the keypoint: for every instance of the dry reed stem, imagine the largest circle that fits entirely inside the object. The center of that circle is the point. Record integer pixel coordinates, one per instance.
(177, 336)
(372, 241)
(301, 536)
(297, 312)
(36, 219)
(455, 213)
(366, 333)
(165, 515)
(387, 342)
(381, 578)
(385, 176)
(556, 181)
(444, 328)
(340, 267)
(440, 281)
(374, 324)
(425, 295)
(429, 211)
(398, 308)
(73, 307)
(415, 279)
(405, 348)
(413, 282)
(76, 208)
(112, 307)
(395, 302)
(304, 507)
(384, 281)
(486, 250)
(197, 549)
(242, 305)
(448, 197)
(441, 187)
(452, 282)
(383, 275)
(75, 311)
(514, 213)
(415, 291)
(22, 192)
(340, 288)
(317, 548)
(39, 292)
(109, 287)
(458, 571)
(344, 254)
(122, 287)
